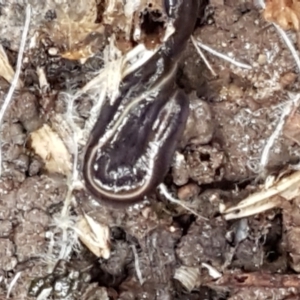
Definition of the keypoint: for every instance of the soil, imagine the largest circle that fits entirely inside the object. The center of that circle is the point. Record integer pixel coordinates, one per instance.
(158, 249)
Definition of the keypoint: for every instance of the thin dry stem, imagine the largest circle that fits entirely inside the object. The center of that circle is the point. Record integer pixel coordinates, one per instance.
(15, 80)
(12, 284)
(268, 197)
(203, 57)
(222, 56)
(137, 265)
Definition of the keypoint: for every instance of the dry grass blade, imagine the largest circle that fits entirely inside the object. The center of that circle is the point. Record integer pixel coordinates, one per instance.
(286, 188)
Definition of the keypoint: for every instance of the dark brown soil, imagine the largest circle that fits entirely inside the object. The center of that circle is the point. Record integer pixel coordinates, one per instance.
(232, 115)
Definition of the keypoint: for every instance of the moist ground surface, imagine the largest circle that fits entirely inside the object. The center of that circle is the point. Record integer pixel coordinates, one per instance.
(233, 112)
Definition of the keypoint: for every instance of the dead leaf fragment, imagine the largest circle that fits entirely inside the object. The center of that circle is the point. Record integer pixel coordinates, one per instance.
(188, 276)
(285, 13)
(74, 30)
(94, 235)
(6, 70)
(47, 144)
(292, 128)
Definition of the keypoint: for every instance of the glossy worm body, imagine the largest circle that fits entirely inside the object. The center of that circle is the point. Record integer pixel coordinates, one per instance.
(133, 141)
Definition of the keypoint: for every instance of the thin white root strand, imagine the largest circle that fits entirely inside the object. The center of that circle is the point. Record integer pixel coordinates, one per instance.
(137, 265)
(223, 56)
(203, 57)
(278, 129)
(72, 179)
(102, 86)
(212, 271)
(63, 240)
(289, 44)
(12, 284)
(15, 80)
(163, 189)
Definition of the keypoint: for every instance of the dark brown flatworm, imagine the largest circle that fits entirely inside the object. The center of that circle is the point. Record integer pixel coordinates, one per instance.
(133, 141)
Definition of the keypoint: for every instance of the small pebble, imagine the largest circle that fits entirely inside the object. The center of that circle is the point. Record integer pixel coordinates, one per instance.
(287, 79)
(262, 59)
(53, 51)
(188, 191)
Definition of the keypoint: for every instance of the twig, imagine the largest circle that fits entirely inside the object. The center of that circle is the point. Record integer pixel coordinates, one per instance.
(15, 80)
(203, 57)
(237, 279)
(222, 56)
(163, 189)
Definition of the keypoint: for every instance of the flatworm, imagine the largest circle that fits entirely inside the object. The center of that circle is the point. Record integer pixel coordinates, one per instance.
(132, 143)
